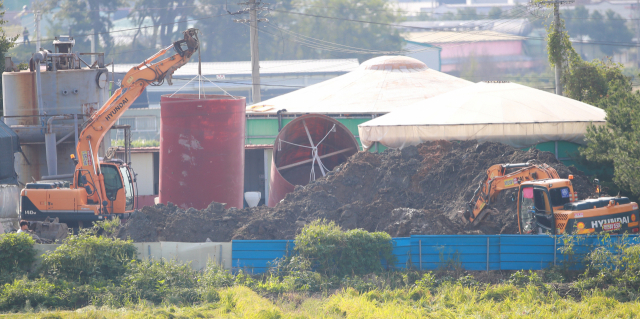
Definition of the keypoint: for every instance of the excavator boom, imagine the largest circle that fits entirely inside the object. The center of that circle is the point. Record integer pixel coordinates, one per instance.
(133, 84)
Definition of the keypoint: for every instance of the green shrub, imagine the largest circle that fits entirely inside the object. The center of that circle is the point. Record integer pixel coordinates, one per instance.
(16, 252)
(360, 284)
(616, 263)
(161, 281)
(294, 273)
(427, 281)
(215, 276)
(42, 293)
(85, 257)
(341, 253)
(499, 293)
(522, 278)
(37, 292)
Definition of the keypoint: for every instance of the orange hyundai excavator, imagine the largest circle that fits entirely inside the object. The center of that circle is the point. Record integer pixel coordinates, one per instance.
(547, 204)
(498, 180)
(103, 189)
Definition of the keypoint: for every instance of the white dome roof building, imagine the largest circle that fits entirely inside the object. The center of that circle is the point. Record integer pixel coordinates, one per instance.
(509, 113)
(379, 85)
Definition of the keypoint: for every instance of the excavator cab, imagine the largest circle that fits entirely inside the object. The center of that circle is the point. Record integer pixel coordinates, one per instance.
(538, 201)
(535, 210)
(550, 206)
(119, 186)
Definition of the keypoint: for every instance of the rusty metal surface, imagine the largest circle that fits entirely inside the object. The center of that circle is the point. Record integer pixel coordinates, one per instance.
(284, 174)
(63, 92)
(202, 150)
(20, 98)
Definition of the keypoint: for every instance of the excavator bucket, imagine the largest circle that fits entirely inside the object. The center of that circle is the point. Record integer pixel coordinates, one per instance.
(49, 230)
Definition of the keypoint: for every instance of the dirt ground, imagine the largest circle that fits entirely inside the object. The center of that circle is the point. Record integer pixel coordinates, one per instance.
(417, 190)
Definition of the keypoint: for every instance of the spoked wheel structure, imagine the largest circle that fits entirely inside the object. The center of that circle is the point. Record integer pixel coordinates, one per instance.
(307, 148)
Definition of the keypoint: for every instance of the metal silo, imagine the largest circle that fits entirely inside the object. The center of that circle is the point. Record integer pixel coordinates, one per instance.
(202, 150)
(68, 94)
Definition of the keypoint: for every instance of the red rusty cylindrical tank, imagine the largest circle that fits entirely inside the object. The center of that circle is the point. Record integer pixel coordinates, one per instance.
(202, 150)
(292, 164)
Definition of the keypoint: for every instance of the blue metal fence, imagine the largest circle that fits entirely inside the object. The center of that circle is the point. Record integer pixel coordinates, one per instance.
(428, 252)
(256, 256)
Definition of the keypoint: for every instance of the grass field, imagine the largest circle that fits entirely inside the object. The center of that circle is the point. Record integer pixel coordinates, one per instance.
(97, 276)
(448, 301)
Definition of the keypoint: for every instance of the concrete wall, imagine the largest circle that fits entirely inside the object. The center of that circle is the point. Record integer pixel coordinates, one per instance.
(196, 254)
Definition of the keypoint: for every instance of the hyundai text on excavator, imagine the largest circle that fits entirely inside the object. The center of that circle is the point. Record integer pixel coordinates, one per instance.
(103, 189)
(548, 204)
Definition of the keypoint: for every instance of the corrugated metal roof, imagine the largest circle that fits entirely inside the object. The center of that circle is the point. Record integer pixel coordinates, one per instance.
(258, 146)
(510, 26)
(439, 37)
(379, 85)
(266, 67)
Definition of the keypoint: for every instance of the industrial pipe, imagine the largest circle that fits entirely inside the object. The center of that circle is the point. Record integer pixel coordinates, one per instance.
(51, 145)
(37, 60)
(33, 134)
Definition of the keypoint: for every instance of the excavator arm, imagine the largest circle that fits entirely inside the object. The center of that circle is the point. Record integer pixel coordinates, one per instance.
(498, 179)
(133, 84)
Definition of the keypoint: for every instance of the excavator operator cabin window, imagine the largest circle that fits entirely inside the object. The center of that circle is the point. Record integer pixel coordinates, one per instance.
(128, 187)
(112, 181)
(527, 211)
(534, 201)
(559, 196)
(543, 206)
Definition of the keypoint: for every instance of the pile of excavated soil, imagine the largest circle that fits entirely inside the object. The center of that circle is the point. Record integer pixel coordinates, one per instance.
(416, 190)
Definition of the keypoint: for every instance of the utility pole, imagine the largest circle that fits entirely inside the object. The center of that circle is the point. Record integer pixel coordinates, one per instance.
(255, 54)
(638, 32)
(558, 62)
(556, 26)
(254, 7)
(37, 17)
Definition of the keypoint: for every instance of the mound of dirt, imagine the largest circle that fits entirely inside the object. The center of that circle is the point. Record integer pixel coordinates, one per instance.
(417, 190)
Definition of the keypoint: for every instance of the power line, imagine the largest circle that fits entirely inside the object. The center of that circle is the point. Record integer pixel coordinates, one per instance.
(137, 28)
(626, 44)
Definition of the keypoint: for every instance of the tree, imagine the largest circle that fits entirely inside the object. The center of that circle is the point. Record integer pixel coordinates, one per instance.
(495, 13)
(615, 30)
(342, 31)
(87, 17)
(578, 25)
(598, 27)
(603, 84)
(617, 141)
(177, 11)
(221, 39)
(467, 14)
(144, 11)
(590, 82)
(6, 43)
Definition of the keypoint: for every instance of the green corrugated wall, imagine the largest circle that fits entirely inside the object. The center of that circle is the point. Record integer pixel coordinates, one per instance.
(265, 130)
